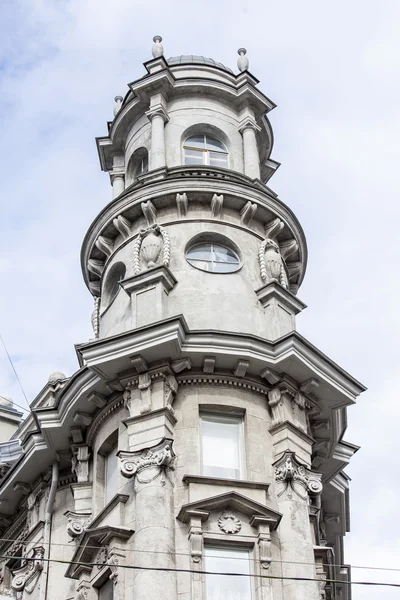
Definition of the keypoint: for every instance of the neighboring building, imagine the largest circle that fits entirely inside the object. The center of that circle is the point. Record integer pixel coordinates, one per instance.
(201, 432)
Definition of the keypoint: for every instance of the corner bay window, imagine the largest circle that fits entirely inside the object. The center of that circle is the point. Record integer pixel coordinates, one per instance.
(224, 587)
(205, 150)
(222, 446)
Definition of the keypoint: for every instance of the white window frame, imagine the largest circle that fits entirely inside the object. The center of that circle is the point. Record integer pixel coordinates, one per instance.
(226, 549)
(205, 151)
(107, 497)
(219, 418)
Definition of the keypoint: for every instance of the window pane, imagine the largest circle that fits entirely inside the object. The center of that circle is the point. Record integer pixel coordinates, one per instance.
(200, 252)
(218, 161)
(223, 587)
(196, 141)
(106, 592)
(201, 264)
(111, 474)
(194, 157)
(213, 144)
(220, 448)
(222, 254)
(220, 267)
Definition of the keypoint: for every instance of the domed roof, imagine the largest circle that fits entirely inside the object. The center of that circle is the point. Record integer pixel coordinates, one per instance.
(185, 59)
(6, 401)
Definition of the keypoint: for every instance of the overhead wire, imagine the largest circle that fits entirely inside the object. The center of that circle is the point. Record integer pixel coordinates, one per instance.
(202, 572)
(15, 373)
(187, 554)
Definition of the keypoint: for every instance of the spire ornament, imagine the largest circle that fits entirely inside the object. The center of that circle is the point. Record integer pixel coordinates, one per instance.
(243, 61)
(157, 49)
(117, 104)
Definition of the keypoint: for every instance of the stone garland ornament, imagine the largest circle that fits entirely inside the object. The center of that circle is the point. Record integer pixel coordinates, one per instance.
(295, 477)
(27, 576)
(146, 465)
(228, 522)
(96, 317)
(272, 266)
(148, 247)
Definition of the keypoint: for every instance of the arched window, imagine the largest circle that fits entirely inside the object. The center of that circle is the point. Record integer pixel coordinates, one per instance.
(116, 274)
(143, 165)
(205, 150)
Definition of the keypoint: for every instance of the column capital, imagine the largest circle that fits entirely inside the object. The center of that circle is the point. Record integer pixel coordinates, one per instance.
(248, 123)
(157, 110)
(116, 175)
(296, 477)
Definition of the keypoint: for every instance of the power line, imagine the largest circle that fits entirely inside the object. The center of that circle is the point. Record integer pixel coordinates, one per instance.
(287, 562)
(15, 372)
(176, 570)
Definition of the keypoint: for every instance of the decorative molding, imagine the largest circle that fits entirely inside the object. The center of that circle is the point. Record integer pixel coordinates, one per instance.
(217, 202)
(273, 228)
(272, 266)
(181, 364)
(95, 266)
(146, 465)
(77, 523)
(107, 412)
(80, 462)
(288, 248)
(295, 477)
(139, 363)
(150, 212)
(148, 247)
(97, 399)
(182, 205)
(241, 368)
(247, 213)
(82, 418)
(271, 376)
(209, 364)
(20, 486)
(96, 317)
(275, 403)
(82, 591)
(26, 577)
(123, 226)
(222, 481)
(224, 380)
(105, 245)
(228, 522)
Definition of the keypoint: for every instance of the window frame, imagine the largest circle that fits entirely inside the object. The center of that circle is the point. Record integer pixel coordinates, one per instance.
(218, 417)
(106, 457)
(192, 261)
(205, 151)
(229, 547)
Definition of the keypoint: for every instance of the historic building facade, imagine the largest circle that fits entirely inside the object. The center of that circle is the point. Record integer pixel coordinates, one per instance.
(201, 432)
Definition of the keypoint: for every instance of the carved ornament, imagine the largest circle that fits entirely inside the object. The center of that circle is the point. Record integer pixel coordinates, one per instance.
(146, 465)
(228, 522)
(77, 523)
(27, 576)
(148, 247)
(295, 477)
(80, 462)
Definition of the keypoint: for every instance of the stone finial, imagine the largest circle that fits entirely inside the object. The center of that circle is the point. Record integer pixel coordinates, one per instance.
(117, 104)
(157, 49)
(56, 376)
(243, 61)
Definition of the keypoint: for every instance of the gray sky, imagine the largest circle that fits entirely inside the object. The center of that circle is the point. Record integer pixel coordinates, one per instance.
(333, 70)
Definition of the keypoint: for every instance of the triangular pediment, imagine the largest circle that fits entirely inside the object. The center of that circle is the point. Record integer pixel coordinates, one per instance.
(233, 500)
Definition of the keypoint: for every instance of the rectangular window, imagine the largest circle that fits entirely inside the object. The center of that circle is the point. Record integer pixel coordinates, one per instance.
(106, 591)
(222, 443)
(225, 587)
(111, 474)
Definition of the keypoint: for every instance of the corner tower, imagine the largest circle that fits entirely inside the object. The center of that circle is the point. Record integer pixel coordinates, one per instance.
(233, 435)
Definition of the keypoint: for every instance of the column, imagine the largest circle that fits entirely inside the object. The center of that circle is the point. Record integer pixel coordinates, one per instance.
(158, 118)
(118, 183)
(295, 485)
(250, 149)
(154, 509)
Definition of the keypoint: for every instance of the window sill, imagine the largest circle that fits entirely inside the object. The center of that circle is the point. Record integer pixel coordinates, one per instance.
(206, 480)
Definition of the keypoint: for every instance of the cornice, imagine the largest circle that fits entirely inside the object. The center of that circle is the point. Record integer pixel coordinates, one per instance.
(106, 413)
(236, 188)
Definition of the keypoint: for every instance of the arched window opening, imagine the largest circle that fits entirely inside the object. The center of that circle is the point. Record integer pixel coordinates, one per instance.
(212, 257)
(111, 287)
(205, 150)
(143, 165)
